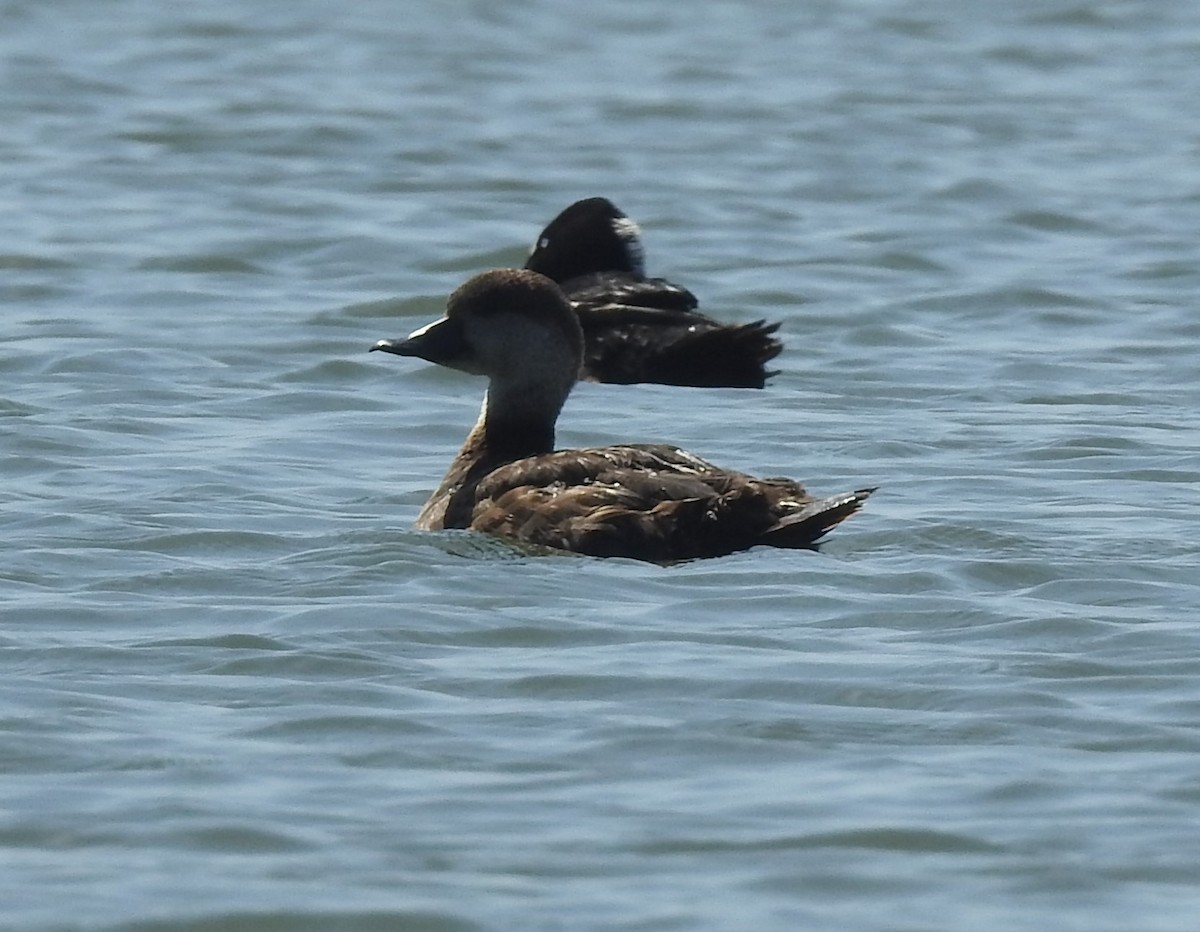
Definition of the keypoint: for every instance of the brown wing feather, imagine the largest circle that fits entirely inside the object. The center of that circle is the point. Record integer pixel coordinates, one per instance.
(652, 502)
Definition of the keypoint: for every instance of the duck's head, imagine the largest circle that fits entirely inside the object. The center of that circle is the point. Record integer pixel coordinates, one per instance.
(590, 236)
(512, 325)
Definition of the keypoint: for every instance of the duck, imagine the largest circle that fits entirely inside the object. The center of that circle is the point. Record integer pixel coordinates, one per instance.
(640, 329)
(653, 502)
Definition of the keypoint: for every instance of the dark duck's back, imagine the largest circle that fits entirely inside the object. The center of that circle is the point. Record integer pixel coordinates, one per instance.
(639, 329)
(647, 501)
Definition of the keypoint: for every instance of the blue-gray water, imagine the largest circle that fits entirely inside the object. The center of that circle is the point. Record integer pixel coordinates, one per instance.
(239, 692)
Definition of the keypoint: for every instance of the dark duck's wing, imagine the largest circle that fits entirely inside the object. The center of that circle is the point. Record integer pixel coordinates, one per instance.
(627, 344)
(649, 502)
(640, 329)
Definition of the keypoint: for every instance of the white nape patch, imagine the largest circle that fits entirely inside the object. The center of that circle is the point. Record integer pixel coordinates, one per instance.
(626, 228)
(421, 331)
(630, 234)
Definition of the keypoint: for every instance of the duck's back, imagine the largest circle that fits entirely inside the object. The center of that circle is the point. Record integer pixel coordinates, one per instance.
(650, 502)
(648, 330)
(599, 289)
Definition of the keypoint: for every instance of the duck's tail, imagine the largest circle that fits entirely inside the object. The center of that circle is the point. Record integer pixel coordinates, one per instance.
(805, 527)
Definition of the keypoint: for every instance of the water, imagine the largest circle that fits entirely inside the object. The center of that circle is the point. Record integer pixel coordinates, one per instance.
(239, 692)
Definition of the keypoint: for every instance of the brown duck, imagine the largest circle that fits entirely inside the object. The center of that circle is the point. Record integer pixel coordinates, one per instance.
(639, 329)
(647, 501)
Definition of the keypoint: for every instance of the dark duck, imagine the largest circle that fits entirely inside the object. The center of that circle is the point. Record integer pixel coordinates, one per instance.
(639, 329)
(650, 502)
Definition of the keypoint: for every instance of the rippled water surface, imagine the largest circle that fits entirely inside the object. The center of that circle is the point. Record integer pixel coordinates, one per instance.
(239, 692)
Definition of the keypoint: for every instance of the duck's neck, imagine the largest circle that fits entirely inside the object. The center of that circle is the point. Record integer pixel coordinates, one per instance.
(511, 426)
(518, 421)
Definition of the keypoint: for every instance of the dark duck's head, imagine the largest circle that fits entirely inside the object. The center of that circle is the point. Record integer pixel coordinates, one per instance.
(588, 237)
(517, 328)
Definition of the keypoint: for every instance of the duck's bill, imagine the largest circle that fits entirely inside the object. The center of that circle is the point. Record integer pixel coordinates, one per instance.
(440, 342)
